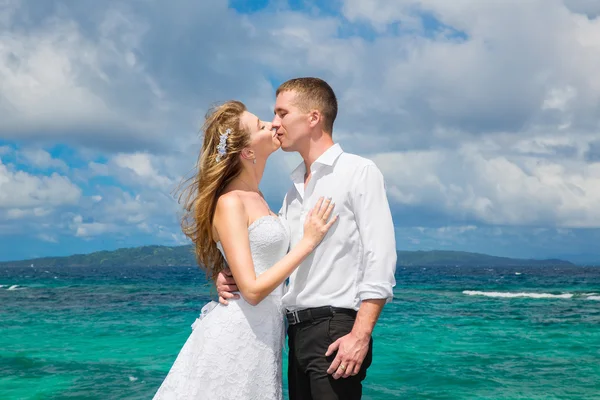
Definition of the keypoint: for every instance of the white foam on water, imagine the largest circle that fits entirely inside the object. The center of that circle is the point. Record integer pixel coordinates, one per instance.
(517, 273)
(597, 298)
(1, 286)
(14, 287)
(132, 379)
(520, 294)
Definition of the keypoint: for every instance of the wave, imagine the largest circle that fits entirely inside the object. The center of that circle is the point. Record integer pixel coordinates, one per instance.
(15, 287)
(593, 298)
(519, 294)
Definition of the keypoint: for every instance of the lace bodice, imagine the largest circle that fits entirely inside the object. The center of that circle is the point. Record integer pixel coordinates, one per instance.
(269, 242)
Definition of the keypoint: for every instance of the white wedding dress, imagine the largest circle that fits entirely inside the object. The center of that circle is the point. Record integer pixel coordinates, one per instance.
(235, 351)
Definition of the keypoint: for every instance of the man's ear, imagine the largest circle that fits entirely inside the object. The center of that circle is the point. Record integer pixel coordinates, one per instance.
(314, 117)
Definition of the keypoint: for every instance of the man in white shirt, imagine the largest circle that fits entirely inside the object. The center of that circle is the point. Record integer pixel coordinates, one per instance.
(336, 295)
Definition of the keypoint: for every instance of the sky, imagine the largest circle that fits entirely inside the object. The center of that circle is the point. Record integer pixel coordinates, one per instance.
(484, 117)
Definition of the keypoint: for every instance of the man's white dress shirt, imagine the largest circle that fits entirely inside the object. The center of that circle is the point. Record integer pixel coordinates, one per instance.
(357, 258)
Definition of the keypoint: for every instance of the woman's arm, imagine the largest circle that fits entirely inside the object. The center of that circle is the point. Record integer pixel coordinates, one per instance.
(231, 223)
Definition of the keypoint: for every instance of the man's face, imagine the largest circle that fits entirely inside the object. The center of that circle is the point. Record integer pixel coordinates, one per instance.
(291, 125)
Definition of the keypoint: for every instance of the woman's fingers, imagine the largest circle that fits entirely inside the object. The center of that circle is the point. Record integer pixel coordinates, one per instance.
(328, 211)
(324, 207)
(328, 225)
(318, 206)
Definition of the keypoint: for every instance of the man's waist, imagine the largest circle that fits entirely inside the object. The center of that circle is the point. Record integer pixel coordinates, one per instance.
(314, 313)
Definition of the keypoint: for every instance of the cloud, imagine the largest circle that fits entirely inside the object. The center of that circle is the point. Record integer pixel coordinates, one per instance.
(482, 115)
(590, 8)
(32, 205)
(53, 80)
(110, 77)
(434, 87)
(141, 165)
(117, 212)
(416, 87)
(571, 244)
(470, 185)
(22, 191)
(47, 238)
(39, 158)
(94, 229)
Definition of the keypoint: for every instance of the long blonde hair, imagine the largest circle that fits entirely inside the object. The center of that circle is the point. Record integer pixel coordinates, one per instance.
(201, 194)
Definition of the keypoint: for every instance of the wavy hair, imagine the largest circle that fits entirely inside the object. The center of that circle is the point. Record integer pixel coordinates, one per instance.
(200, 195)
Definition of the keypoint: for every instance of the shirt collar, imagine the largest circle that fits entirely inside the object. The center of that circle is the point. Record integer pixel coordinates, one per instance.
(327, 158)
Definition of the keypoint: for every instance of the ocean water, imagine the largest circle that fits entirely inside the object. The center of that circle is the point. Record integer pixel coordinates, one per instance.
(450, 333)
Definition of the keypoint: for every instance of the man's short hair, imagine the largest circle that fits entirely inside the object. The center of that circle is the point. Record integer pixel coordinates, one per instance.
(313, 93)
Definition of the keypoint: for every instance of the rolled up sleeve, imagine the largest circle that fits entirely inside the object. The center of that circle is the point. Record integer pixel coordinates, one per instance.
(376, 229)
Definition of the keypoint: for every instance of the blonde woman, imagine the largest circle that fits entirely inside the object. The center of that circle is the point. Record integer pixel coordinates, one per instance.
(235, 352)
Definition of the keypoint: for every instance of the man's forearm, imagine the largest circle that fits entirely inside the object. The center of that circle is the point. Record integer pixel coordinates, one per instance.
(367, 316)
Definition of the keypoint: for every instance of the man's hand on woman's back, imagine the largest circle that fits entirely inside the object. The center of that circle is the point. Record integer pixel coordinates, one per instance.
(226, 286)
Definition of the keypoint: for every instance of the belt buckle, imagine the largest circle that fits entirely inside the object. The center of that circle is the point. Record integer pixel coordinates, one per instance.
(293, 315)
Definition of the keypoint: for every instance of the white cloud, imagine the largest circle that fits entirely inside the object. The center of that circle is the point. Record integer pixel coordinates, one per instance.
(383, 12)
(122, 214)
(120, 83)
(507, 73)
(20, 190)
(95, 229)
(494, 189)
(39, 81)
(47, 238)
(16, 213)
(451, 230)
(577, 245)
(488, 118)
(141, 165)
(56, 81)
(40, 158)
(559, 99)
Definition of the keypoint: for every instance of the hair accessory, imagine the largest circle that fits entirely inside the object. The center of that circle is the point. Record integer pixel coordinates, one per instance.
(222, 147)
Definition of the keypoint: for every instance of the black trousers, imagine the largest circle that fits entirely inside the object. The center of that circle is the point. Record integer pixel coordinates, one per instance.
(307, 367)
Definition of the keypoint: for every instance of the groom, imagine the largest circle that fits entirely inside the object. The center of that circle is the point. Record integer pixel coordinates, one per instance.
(335, 296)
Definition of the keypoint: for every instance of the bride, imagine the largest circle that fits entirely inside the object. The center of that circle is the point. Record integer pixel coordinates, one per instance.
(235, 352)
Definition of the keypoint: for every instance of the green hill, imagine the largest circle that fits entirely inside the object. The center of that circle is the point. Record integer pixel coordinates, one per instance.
(136, 256)
(461, 258)
(183, 256)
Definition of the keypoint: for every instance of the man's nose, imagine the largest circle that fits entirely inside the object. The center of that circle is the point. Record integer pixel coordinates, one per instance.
(276, 123)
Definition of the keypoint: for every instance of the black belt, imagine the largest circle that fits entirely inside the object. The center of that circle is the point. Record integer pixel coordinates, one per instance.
(311, 314)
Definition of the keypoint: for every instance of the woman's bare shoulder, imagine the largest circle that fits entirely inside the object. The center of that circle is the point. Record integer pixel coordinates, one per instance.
(230, 201)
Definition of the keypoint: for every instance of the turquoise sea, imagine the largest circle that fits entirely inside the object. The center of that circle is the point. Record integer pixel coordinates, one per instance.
(450, 333)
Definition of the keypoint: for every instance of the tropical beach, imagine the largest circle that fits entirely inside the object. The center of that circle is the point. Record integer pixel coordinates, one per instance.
(156, 157)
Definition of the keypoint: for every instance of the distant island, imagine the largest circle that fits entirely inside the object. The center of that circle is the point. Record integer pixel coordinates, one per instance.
(156, 256)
